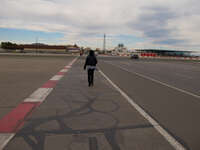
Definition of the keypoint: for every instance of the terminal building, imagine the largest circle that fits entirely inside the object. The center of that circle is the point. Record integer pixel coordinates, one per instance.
(177, 53)
(40, 48)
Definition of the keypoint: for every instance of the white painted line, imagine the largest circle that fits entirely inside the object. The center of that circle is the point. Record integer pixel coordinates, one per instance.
(5, 138)
(32, 100)
(68, 66)
(162, 83)
(56, 77)
(155, 124)
(71, 63)
(39, 95)
(64, 70)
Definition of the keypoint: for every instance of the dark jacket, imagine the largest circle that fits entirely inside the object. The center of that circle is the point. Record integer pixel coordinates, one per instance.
(91, 60)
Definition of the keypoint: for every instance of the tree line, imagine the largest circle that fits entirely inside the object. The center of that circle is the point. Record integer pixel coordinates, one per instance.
(10, 45)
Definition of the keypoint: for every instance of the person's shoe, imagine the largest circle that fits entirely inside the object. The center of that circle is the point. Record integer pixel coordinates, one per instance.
(89, 84)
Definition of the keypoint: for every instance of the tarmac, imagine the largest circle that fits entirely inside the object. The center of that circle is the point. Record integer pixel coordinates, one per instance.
(20, 76)
(74, 116)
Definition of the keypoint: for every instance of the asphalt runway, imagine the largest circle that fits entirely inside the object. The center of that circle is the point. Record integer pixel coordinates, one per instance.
(21, 75)
(181, 74)
(75, 116)
(174, 104)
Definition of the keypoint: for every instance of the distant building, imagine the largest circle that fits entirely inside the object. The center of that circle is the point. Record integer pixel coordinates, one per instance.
(39, 47)
(159, 52)
(120, 49)
(73, 48)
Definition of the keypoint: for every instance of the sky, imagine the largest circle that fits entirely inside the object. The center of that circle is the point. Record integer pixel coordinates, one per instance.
(162, 24)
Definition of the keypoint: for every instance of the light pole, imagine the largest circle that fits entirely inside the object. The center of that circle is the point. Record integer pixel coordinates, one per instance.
(104, 42)
(36, 42)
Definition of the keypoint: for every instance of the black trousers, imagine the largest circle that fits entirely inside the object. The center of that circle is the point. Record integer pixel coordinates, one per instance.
(90, 76)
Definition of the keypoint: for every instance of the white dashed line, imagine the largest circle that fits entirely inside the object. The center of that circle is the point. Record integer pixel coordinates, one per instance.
(68, 67)
(64, 70)
(162, 131)
(39, 95)
(56, 77)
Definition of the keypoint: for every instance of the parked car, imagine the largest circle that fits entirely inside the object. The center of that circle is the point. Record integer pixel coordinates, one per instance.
(134, 56)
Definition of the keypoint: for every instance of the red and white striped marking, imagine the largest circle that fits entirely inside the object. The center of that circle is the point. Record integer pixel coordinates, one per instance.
(11, 123)
(56, 78)
(64, 70)
(39, 95)
(174, 58)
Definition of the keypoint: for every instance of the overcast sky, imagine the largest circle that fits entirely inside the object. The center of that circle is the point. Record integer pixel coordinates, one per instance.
(173, 24)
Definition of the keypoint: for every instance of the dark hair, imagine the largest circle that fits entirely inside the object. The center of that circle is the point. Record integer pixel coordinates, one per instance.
(91, 53)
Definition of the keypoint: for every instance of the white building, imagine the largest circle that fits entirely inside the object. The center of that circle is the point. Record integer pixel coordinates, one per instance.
(120, 50)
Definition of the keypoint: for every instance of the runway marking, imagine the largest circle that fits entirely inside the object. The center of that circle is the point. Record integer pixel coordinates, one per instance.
(56, 77)
(61, 73)
(5, 138)
(12, 122)
(176, 145)
(50, 84)
(68, 67)
(157, 81)
(64, 70)
(39, 95)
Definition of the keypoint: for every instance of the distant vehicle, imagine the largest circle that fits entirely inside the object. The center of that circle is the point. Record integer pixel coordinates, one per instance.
(96, 53)
(134, 56)
(195, 54)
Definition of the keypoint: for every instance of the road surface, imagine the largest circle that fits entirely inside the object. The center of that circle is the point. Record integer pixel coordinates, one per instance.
(74, 116)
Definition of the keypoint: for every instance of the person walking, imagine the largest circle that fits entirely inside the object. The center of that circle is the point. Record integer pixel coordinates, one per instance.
(90, 64)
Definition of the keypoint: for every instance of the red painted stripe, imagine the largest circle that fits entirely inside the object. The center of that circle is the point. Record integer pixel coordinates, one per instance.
(61, 73)
(14, 120)
(50, 84)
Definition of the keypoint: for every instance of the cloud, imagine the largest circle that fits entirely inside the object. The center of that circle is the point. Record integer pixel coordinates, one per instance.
(153, 23)
(158, 23)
